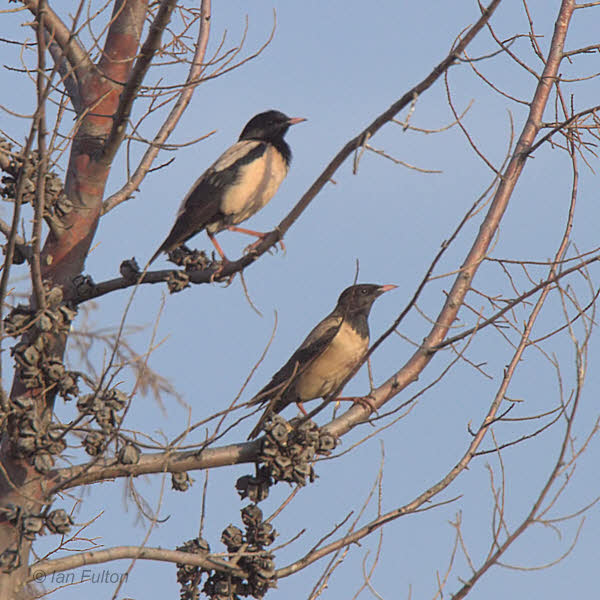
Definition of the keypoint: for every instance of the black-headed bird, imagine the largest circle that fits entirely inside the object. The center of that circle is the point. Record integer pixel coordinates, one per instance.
(331, 351)
(241, 181)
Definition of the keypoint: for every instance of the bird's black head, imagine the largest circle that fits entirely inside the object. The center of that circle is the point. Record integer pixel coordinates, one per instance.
(360, 298)
(268, 126)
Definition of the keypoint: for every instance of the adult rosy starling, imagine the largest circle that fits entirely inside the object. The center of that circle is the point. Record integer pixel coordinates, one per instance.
(241, 181)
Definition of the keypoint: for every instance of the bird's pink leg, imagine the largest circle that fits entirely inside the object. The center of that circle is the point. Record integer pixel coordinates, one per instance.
(302, 409)
(258, 234)
(224, 259)
(217, 246)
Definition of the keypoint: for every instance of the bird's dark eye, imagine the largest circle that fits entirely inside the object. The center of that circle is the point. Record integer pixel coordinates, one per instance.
(364, 291)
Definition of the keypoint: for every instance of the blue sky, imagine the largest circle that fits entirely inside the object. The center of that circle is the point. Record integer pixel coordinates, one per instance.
(339, 64)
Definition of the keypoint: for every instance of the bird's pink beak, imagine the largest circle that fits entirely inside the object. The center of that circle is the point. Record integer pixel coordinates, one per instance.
(295, 120)
(387, 288)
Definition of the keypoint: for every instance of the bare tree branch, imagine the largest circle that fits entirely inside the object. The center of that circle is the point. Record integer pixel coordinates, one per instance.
(415, 365)
(59, 33)
(193, 79)
(136, 77)
(172, 462)
(47, 567)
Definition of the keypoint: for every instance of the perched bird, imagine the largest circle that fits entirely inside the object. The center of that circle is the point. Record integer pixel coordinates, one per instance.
(242, 180)
(326, 357)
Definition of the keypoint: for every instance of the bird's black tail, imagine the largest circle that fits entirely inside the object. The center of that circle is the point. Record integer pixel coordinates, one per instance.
(169, 244)
(275, 404)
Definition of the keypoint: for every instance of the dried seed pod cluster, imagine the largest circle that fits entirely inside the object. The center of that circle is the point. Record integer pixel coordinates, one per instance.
(29, 525)
(181, 482)
(248, 550)
(255, 487)
(105, 407)
(290, 449)
(39, 368)
(94, 443)
(129, 454)
(55, 319)
(35, 438)
(189, 576)
(130, 269)
(84, 285)
(191, 260)
(177, 281)
(56, 203)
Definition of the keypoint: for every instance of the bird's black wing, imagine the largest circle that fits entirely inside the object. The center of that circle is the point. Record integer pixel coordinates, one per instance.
(311, 348)
(202, 204)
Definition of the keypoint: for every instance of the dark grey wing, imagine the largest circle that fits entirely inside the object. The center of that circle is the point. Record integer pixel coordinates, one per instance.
(201, 207)
(311, 348)
(202, 204)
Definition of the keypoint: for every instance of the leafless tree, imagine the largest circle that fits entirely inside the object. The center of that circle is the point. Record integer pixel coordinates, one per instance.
(96, 68)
